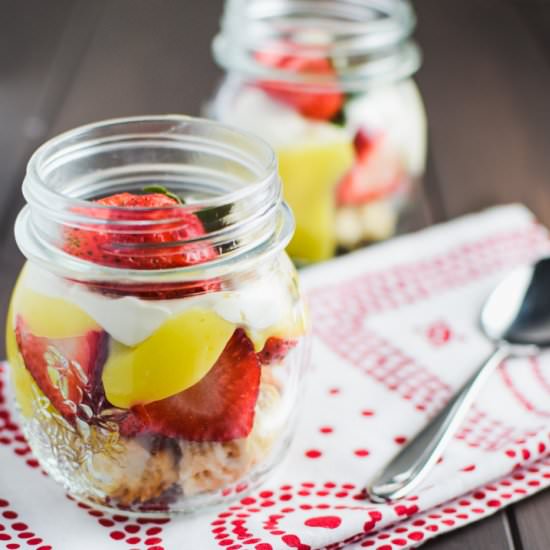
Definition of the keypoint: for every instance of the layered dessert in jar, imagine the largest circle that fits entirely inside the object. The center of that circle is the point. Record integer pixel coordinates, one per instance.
(156, 363)
(329, 87)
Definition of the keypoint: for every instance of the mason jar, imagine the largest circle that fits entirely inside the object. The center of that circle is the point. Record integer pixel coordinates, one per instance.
(156, 335)
(329, 86)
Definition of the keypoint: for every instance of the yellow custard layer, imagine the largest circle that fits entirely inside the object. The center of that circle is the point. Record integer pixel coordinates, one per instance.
(310, 174)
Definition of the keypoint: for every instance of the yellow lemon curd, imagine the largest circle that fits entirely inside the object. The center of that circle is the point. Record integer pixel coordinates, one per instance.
(310, 173)
(172, 359)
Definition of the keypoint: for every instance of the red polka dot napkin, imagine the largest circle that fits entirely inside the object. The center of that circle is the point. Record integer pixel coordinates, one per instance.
(396, 333)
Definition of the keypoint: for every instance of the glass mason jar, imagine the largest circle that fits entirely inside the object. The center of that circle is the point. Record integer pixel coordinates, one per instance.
(328, 85)
(156, 347)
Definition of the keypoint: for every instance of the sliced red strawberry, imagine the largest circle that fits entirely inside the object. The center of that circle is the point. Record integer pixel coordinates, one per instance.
(220, 407)
(320, 103)
(377, 172)
(126, 244)
(67, 370)
(123, 245)
(275, 350)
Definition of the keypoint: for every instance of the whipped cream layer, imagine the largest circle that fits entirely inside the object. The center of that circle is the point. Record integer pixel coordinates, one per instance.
(281, 126)
(131, 320)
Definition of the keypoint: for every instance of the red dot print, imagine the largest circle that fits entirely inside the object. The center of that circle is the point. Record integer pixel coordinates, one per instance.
(385, 547)
(33, 542)
(9, 514)
(399, 542)
(263, 546)
(117, 535)
(154, 540)
(525, 454)
(13, 546)
(361, 452)
(106, 522)
(133, 540)
(313, 453)
(154, 531)
(5, 536)
(479, 495)
(400, 439)
(511, 453)
(32, 462)
(132, 528)
(326, 429)
(3, 503)
(469, 468)
(19, 526)
(367, 412)
(493, 503)
(327, 522)
(334, 391)
(248, 501)
(416, 535)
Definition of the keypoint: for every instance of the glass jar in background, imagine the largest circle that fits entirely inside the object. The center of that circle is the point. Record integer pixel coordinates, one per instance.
(156, 335)
(328, 85)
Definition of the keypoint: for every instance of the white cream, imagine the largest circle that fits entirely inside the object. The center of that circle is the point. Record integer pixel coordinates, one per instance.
(131, 320)
(280, 125)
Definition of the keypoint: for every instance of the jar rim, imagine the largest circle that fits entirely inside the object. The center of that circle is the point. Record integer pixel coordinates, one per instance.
(62, 171)
(368, 41)
(43, 150)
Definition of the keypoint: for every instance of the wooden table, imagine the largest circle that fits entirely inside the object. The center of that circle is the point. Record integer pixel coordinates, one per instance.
(485, 80)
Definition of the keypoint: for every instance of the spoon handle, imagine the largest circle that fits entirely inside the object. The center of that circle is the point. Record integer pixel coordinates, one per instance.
(415, 460)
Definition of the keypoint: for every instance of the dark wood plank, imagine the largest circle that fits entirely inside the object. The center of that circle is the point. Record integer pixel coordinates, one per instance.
(40, 44)
(492, 533)
(531, 519)
(486, 85)
(146, 57)
(536, 14)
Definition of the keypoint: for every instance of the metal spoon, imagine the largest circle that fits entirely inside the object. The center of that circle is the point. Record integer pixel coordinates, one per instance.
(516, 317)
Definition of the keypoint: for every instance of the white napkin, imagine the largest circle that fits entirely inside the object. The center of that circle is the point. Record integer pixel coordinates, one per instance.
(396, 332)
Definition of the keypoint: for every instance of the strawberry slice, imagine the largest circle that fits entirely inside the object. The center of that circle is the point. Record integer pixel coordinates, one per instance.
(220, 407)
(122, 245)
(377, 172)
(67, 370)
(275, 350)
(127, 245)
(321, 103)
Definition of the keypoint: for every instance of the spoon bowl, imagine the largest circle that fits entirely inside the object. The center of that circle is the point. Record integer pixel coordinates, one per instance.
(518, 309)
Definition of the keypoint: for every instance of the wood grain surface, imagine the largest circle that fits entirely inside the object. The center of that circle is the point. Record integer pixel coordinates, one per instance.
(485, 81)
